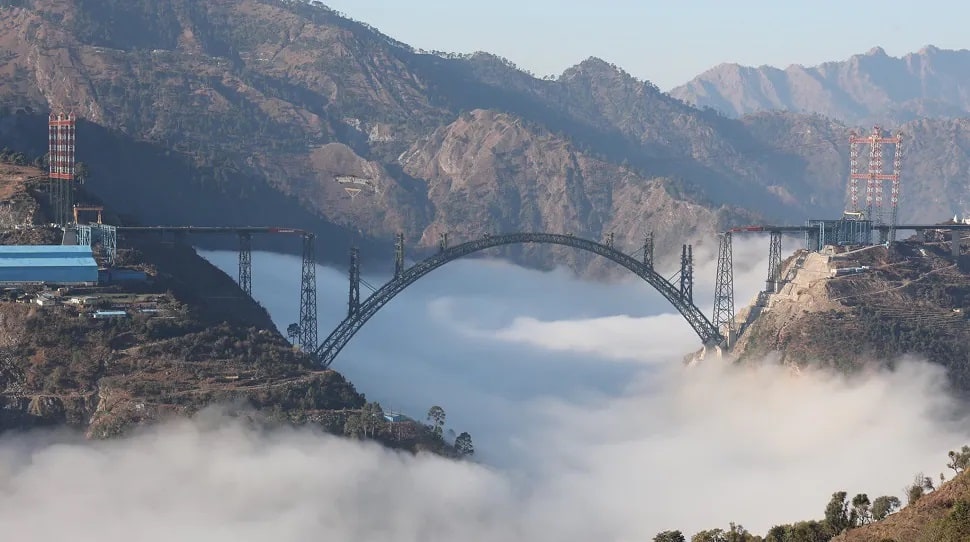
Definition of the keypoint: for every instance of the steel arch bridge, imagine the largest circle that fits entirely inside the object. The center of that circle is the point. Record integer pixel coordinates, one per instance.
(360, 312)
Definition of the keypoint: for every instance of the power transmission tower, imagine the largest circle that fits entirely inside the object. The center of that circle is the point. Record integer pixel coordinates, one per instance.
(724, 286)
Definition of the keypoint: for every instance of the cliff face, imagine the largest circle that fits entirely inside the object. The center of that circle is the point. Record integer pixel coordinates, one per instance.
(914, 304)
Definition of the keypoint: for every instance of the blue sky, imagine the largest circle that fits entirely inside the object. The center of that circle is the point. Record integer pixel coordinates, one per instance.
(666, 42)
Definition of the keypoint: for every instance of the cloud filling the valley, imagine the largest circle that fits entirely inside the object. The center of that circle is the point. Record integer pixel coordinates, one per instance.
(586, 423)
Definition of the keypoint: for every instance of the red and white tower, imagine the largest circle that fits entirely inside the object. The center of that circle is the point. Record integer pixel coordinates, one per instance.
(875, 176)
(62, 130)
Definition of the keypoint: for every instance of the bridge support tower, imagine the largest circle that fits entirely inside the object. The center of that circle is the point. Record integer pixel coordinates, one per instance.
(687, 273)
(353, 303)
(648, 250)
(308, 296)
(774, 263)
(398, 256)
(724, 288)
(246, 262)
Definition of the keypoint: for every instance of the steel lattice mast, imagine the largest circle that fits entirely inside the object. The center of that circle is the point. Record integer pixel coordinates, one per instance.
(308, 296)
(724, 286)
(62, 132)
(897, 171)
(353, 302)
(774, 262)
(246, 262)
(876, 176)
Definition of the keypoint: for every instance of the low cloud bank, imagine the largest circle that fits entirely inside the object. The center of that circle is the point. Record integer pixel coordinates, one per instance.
(587, 427)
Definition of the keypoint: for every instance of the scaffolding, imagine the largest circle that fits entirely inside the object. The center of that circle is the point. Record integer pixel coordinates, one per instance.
(838, 233)
(100, 234)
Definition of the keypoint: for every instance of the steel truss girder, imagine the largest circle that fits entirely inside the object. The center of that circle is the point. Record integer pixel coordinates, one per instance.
(328, 350)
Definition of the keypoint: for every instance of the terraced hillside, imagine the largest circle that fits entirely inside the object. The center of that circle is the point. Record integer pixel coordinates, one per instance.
(915, 303)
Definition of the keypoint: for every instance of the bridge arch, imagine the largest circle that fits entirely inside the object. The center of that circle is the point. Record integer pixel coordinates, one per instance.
(328, 350)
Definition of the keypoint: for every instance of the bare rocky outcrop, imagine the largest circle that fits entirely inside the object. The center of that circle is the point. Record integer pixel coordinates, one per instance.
(874, 312)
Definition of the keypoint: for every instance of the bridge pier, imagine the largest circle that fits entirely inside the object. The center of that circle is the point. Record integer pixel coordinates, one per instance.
(955, 244)
(648, 250)
(774, 263)
(246, 262)
(724, 287)
(687, 273)
(398, 256)
(308, 296)
(353, 304)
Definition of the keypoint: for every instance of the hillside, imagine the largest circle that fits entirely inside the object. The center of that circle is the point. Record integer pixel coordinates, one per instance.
(188, 338)
(260, 103)
(866, 88)
(917, 303)
(940, 516)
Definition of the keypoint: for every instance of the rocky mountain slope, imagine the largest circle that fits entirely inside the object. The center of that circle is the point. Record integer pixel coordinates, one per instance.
(243, 111)
(871, 87)
(916, 303)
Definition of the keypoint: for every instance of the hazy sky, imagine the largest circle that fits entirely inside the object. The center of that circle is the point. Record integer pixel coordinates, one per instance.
(663, 41)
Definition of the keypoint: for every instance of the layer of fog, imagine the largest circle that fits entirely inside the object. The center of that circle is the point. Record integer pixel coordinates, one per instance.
(587, 426)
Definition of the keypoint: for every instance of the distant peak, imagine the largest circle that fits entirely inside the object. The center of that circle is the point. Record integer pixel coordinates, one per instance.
(876, 51)
(594, 66)
(929, 50)
(595, 63)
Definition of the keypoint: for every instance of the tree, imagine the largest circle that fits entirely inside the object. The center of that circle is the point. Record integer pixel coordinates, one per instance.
(670, 536)
(352, 426)
(861, 514)
(371, 418)
(959, 460)
(463, 445)
(713, 535)
(837, 513)
(883, 506)
(914, 493)
(436, 415)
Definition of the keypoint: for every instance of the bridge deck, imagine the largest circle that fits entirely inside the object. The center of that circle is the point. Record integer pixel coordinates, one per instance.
(211, 229)
(880, 227)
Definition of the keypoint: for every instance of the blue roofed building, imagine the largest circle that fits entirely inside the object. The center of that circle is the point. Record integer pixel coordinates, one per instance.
(50, 264)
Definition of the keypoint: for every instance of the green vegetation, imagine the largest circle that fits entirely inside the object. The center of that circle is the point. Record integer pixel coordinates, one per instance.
(844, 516)
(955, 527)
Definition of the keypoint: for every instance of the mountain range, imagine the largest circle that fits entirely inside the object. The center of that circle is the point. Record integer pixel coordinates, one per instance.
(245, 111)
(866, 88)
